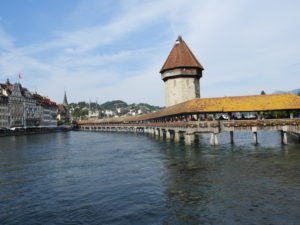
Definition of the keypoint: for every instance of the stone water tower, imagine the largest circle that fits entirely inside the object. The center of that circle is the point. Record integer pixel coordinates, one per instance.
(181, 73)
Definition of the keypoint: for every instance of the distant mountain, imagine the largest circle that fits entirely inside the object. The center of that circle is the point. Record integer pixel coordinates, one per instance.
(118, 107)
(148, 106)
(295, 91)
(114, 104)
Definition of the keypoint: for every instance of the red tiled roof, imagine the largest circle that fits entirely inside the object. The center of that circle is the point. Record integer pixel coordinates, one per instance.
(44, 100)
(181, 57)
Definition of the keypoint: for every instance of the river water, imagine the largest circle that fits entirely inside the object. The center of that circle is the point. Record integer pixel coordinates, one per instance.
(123, 178)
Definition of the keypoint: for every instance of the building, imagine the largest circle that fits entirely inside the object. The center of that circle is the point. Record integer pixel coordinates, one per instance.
(109, 113)
(24, 108)
(63, 113)
(32, 112)
(20, 108)
(94, 114)
(4, 106)
(47, 111)
(16, 106)
(4, 111)
(181, 74)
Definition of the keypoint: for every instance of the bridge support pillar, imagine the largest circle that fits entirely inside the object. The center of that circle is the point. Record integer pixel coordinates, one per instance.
(231, 137)
(189, 139)
(168, 135)
(213, 139)
(176, 136)
(157, 132)
(255, 141)
(284, 139)
(254, 131)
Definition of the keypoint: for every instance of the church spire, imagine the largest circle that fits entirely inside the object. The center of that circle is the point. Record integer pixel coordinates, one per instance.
(7, 81)
(65, 102)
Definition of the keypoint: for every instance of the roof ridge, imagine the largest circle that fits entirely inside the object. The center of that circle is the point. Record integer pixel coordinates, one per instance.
(181, 57)
(245, 96)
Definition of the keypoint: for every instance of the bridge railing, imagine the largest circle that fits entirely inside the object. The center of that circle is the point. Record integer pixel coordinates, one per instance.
(223, 124)
(265, 122)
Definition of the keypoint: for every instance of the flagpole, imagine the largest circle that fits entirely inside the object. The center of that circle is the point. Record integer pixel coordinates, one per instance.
(19, 76)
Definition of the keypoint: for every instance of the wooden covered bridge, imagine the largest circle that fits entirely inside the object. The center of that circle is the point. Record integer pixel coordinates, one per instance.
(185, 121)
(187, 115)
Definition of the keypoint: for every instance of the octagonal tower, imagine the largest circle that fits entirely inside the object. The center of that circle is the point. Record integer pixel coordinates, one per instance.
(181, 74)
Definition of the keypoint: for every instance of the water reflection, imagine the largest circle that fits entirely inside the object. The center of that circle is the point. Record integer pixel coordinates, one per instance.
(239, 182)
(116, 178)
(187, 184)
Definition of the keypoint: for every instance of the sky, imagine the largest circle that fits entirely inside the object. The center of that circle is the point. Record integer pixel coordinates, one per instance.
(102, 50)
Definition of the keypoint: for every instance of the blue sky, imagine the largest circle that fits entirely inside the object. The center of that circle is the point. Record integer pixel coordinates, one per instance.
(114, 49)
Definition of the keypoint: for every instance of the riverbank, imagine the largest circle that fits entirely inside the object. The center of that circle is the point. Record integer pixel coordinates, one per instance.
(34, 130)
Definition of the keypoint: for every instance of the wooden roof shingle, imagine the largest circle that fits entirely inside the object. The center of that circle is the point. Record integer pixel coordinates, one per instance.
(250, 103)
(181, 57)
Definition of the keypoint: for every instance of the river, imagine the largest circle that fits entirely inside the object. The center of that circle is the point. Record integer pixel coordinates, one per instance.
(123, 178)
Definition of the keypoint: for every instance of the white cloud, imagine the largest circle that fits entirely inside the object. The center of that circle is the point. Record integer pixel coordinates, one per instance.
(68, 50)
(6, 41)
(243, 46)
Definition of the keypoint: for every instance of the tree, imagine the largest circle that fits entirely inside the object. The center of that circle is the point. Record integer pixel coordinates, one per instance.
(262, 92)
(299, 93)
(79, 112)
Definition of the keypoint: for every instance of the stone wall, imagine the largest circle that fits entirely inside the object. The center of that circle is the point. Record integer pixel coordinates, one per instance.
(181, 89)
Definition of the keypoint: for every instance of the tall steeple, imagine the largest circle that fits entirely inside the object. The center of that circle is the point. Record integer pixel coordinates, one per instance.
(65, 102)
(7, 82)
(181, 74)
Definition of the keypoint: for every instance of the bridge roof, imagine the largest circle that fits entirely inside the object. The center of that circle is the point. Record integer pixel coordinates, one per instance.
(252, 103)
(181, 57)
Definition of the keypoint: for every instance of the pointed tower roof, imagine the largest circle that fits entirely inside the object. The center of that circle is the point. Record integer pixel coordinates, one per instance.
(181, 57)
(65, 102)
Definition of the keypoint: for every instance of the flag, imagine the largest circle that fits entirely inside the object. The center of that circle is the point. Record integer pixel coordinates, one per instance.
(19, 76)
